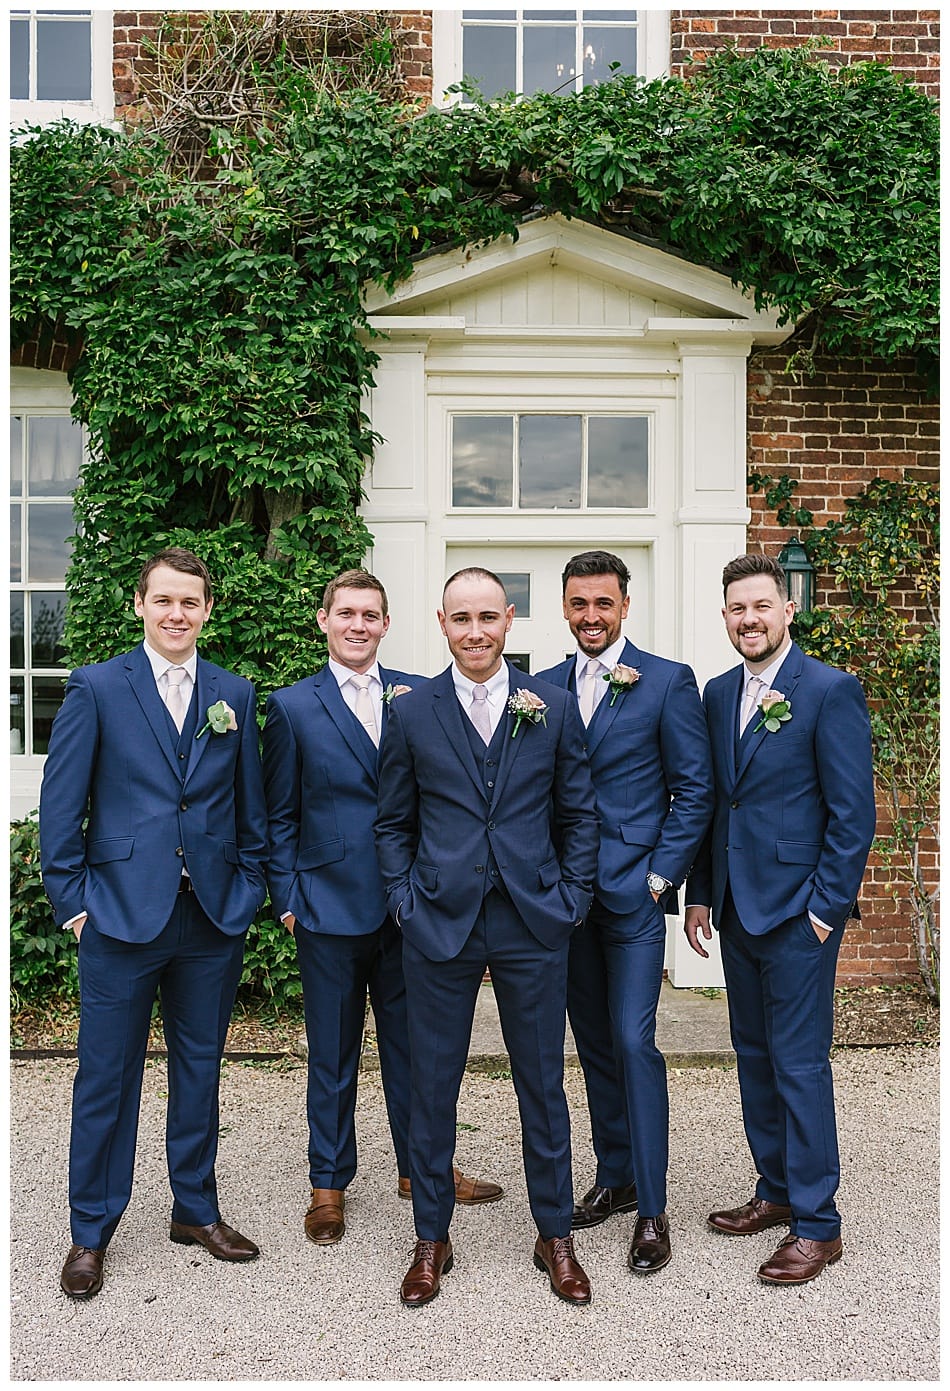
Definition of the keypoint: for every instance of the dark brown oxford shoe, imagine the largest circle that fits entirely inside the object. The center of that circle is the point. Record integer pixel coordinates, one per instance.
(650, 1248)
(753, 1216)
(600, 1203)
(469, 1192)
(557, 1258)
(323, 1222)
(797, 1259)
(82, 1273)
(430, 1261)
(222, 1241)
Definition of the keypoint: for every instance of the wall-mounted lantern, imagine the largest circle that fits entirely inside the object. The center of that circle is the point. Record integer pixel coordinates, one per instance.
(800, 574)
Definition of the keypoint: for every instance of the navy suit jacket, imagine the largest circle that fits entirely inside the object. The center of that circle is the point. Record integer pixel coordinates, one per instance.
(795, 816)
(320, 780)
(113, 756)
(652, 770)
(438, 822)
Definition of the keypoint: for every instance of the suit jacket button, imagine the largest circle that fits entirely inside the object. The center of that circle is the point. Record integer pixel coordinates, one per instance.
(733, 804)
(184, 806)
(179, 851)
(479, 869)
(491, 825)
(182, 757)
(489, 763)
(491, 784)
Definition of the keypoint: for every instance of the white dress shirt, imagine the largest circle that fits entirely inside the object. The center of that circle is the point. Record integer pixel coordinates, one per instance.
(608, 660)
(496, 689)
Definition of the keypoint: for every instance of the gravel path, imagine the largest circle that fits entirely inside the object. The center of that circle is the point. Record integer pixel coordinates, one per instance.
(171, 1313)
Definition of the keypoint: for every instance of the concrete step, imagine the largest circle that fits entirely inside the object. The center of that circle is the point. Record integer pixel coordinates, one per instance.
(692, 1030)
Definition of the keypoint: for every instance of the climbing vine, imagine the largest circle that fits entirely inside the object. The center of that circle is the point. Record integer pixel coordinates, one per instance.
(881, 564)
(211, 262)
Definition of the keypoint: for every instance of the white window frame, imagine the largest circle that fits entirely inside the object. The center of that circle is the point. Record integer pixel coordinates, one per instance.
(100, 109)
(653, 47)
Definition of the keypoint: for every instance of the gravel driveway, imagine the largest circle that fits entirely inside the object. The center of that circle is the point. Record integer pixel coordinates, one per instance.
(171, 1313)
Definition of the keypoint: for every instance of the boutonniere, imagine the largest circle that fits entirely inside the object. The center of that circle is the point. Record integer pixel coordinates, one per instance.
(775, 711)
(220, 718)
(621, 679)
(391, 692)
(525, 705)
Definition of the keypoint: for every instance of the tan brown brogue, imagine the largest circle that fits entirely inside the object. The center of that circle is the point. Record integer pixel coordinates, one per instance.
(323, 1222)
(754, 1216)
(469, 1192)
(797, 1259)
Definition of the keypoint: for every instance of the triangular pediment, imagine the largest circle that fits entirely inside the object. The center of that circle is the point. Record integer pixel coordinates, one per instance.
(568, 274)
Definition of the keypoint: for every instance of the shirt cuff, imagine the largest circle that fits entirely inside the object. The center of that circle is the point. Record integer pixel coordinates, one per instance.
(68, 926)
(820, 923)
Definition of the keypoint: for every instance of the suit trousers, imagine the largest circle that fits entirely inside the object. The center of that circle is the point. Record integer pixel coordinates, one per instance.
(530, 985)
(615, 971)
(780, 988)
(336, 972)
(196, 970)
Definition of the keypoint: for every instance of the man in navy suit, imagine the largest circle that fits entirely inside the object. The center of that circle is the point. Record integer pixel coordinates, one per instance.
(650, 762)
(487, 842)
(159, 749)
(320, 779)
(780, 870)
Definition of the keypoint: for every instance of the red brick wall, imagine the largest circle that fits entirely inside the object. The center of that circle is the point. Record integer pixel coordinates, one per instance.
(906, 39)
(851, 422)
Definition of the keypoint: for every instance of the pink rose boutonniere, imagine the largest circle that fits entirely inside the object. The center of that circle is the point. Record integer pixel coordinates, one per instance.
(525, 705)
(621, 679)
(221, 719)
(775, 711)
(391, 692)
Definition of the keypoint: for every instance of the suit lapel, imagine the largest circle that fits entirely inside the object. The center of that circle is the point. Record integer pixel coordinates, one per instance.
(605, 714)
(327, 691)
(789, 673)
(139, 672)
(206, 693)
(448, 712)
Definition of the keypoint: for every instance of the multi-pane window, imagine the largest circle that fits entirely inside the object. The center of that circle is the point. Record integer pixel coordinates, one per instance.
(550, 462)
(51, 55)
(45, 460)
(561, 50)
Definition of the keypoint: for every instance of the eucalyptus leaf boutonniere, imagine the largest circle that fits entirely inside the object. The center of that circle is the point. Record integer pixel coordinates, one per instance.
(221, 719)
(775, 711)
(621, 678)
(391, 692)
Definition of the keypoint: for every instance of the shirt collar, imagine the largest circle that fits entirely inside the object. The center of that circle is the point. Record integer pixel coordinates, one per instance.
(343, 673)
(160, 664)
(608, 658)
(769, 675)
(496, 687)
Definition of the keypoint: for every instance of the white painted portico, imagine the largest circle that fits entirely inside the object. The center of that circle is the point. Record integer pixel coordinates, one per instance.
(571, 319)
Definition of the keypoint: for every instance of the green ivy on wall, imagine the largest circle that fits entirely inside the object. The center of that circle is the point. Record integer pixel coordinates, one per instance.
(226, 354)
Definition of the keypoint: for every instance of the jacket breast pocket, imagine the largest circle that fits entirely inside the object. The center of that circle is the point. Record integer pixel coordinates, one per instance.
(100, 852)
(797, 852)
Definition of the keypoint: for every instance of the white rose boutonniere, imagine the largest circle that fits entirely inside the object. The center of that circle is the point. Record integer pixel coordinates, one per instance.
(221, 719)
(525, 705)
(621, 679)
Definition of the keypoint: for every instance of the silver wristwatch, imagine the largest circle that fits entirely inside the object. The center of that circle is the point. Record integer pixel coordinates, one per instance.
(657, 884)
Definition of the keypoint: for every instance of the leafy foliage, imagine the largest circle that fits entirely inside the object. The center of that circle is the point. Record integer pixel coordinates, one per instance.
(884, 555)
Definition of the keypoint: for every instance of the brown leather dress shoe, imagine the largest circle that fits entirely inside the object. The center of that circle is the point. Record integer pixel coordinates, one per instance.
(797, 1259)
(753, 1216)
(650, 1248)
(323, 1222)
(430, 1261)
(469, 1192)
(567, 1278)
(600, 1203)
(82, 1273)
(223, 1242)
